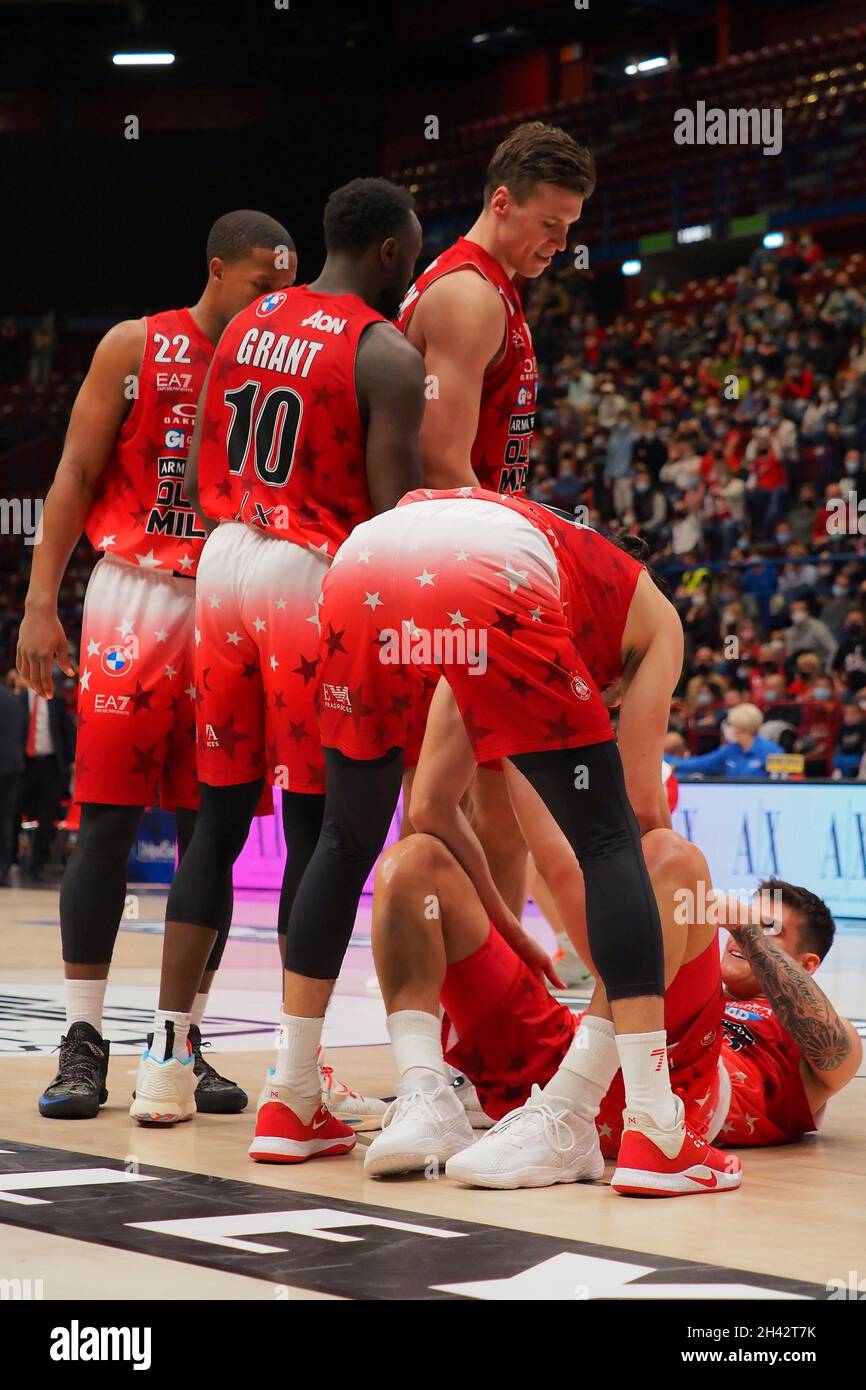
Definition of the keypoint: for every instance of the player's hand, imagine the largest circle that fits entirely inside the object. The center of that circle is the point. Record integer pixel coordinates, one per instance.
(538, 960)
(41, 642)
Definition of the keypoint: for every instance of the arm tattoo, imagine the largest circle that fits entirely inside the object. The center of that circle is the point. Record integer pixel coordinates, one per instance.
(802, 1006)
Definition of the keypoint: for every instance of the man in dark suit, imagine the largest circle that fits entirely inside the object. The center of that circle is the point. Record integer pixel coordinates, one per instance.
(49, 752)
(13, 737)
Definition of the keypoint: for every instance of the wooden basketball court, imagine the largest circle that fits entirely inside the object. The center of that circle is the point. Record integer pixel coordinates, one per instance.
(107, 1209)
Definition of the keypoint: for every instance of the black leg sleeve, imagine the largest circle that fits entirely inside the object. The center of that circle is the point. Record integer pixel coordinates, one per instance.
(93, 890)
(584, 790)
(359, 804)
(202, 889)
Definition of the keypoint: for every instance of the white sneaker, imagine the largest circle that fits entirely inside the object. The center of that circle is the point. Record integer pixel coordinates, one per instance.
(572, 970)
(535, 1146)
(361, 1112)
(468, 1098)
(418, 1129)
(164, 1091)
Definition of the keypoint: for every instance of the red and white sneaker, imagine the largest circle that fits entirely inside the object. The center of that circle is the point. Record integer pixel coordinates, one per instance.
(656, 1162)
(282, 1137)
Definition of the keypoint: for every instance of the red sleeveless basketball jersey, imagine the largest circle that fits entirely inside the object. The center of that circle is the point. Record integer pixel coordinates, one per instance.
(283, 444)
(500, 453)
(768, 1101)
(140, 511)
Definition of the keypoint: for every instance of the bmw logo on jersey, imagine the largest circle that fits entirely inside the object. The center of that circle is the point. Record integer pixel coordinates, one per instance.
(270, 303)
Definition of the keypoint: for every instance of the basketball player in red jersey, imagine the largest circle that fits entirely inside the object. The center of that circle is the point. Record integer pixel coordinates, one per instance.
(309, 425)
(515, 580)
(121, 479)
(754, 1052)
(465, 316)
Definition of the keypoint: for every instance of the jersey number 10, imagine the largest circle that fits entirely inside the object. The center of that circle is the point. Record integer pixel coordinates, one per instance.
(273, 424)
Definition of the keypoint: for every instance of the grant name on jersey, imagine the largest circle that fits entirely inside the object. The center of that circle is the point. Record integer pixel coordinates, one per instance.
(291, 356)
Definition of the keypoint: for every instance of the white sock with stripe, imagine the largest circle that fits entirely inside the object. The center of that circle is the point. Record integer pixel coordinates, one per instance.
(416, 1038)
(646, 1077)
(160, 1047)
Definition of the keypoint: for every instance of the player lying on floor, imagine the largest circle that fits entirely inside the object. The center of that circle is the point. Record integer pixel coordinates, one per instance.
(755, 1047)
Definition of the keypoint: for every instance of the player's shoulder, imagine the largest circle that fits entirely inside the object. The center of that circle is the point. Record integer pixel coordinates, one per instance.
(464, 288)
(384, 348)
(122, 346)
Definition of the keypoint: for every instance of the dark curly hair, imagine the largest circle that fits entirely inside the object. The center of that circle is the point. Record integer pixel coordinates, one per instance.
(817, 928)
(364, 212)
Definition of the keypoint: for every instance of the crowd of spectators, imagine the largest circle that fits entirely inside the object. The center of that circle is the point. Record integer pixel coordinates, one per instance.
(726, 424)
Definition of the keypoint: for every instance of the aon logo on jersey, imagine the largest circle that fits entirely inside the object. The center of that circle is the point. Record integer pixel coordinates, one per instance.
(325, 323)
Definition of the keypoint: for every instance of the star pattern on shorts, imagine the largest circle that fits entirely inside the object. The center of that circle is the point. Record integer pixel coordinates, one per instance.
(140, 698)
(333, 640)
(474, 730)
(145, 764)
(229, 737)
(506, 622)
(307, 670)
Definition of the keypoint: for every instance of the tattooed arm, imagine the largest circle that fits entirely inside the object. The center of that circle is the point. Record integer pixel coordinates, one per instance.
(830, 1047)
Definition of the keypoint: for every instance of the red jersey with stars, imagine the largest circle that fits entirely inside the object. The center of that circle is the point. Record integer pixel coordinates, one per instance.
(139, 511)
(500, 453)
(283, 442)
(768, 1100)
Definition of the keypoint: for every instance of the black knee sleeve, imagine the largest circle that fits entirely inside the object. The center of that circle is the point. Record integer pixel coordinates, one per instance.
(202, 889)
(185, 829)
(302, 826)
(93, 890)
(584, 790)
(359, 804)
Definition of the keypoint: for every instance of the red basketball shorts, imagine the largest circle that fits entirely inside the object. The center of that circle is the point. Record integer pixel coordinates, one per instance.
(257, 652)
(505, 1031)
(136, 695)
(463, 588)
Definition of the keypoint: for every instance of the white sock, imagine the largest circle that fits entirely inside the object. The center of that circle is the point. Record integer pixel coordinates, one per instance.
(416, 1038)
(159, 1048)
(198, 1008)
(587, 1069)
(646, 1077)
(295, 1068)
(84, 1002)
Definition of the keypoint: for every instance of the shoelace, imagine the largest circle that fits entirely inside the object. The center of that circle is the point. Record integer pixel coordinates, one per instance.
(76, 1063)
(207, 1071)
(556, 1131)
(328, 1083)
(412, 1098)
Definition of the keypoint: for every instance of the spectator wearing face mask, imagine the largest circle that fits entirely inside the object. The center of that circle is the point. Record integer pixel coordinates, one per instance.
(850, 740)
(835, 609)
(799, 575)
(650, 504)
(850, 659)
(808, 634)
(808, 670)
(742, 754)
(854, 479)
(701, 620)
(650, 450)
(701, 668)
(618, 468)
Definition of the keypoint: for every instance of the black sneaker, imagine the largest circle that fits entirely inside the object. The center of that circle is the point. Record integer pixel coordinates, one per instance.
(78, 1089)
(214, 1094)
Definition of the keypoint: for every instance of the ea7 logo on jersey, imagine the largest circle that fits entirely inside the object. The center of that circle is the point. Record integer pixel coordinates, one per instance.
(337, 697)
(111, 704)
(326, 323)
(174, 381)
